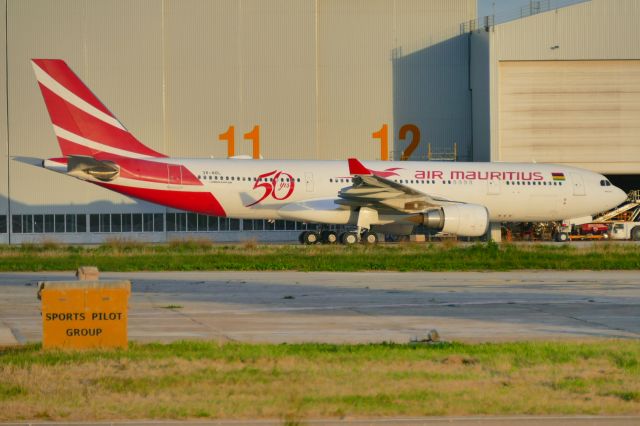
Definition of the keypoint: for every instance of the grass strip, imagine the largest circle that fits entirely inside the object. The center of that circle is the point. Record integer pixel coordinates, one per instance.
(188, 380)
(203, 255)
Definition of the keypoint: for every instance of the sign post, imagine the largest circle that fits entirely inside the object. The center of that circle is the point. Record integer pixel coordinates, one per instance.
(84, 314)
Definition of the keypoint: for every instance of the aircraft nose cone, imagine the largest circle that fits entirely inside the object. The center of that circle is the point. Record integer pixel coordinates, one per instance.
(620, 196)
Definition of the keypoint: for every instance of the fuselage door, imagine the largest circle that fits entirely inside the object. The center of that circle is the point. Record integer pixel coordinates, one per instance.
(493, 187)
(577, 183)
(308, 179)
(175, 174)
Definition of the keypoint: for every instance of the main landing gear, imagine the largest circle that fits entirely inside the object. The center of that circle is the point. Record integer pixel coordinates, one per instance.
(331, 237)
(313, 237)
(366, 217)
(309, 237)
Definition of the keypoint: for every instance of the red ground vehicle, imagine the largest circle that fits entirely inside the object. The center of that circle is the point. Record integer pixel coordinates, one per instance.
(590, 231)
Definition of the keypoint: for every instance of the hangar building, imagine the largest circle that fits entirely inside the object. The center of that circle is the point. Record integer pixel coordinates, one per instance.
(318, 77)
(561, 86)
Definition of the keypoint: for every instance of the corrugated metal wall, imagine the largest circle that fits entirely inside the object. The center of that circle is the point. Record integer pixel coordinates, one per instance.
(318, 76)
(393, 62)
(116, 48)
(594, 30)
(241, 63)
(584, 113)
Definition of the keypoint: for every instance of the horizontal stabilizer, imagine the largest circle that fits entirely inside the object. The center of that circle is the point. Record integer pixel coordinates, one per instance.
(80, 166)
(32, 161)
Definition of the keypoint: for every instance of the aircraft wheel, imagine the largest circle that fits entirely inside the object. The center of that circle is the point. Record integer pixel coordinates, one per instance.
(310, 237)
(635, 233)
(301, 237)
(369, 237)
(328, 237)
(348, 238)
(562, 237)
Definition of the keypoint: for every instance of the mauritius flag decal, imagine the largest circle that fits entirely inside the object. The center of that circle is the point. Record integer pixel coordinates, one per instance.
(558, 176)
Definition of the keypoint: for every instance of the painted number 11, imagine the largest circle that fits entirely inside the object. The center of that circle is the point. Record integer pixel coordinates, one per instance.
(253, 136)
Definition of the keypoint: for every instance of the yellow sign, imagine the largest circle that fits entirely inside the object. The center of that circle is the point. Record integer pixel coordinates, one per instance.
(84, 314)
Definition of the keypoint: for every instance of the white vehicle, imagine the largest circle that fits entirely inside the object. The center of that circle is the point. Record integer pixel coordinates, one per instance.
(624, 231)
(377, 196)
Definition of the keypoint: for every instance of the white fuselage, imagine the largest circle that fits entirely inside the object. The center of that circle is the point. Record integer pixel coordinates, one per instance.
(512, 192)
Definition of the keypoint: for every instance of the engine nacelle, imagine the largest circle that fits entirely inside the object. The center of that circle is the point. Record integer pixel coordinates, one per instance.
(465, 220)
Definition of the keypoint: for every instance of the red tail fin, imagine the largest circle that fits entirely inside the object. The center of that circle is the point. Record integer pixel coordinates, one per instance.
(82, 124)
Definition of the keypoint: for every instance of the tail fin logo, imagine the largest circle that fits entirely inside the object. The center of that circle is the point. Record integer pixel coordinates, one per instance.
(82, 124)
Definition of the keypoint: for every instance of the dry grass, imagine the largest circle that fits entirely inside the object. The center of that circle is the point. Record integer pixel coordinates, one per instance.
(250, 244)
(199, 380)
(118, 244)
(192, 244)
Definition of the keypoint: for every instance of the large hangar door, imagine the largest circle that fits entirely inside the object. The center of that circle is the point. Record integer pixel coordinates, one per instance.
(584, 113)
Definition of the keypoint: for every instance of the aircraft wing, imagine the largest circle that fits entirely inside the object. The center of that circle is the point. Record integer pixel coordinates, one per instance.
(377, 192)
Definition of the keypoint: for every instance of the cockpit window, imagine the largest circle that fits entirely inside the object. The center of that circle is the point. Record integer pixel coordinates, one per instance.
(605, 183)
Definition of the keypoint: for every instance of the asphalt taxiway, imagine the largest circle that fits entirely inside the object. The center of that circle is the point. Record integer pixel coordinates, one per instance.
(354, 307)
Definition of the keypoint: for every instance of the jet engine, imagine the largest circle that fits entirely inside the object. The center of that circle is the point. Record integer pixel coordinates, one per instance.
(465, 220)
(80, 166)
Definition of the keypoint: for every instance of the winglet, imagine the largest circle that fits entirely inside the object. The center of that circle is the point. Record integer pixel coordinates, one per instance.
(357, 168)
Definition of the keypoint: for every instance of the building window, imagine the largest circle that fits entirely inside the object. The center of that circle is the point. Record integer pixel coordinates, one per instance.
(202, 223)
(192, 222)
(105, 223)
(27, 223)
(126, 222)
(181, 222)
(147, 222)
(38, 223)
(224, 224)
(158, 222)
(3, 224)
(212, 223)
(171, 222)
(70, 223)
(58, 223)
(116, 222)
(136, 222)
(94, 222)
(16, 224)
(81, 223)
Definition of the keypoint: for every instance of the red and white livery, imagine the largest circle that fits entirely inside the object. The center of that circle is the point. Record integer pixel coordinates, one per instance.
(391, 197)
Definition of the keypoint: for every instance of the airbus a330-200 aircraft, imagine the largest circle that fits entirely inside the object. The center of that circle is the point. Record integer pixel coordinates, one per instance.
(374, 196)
